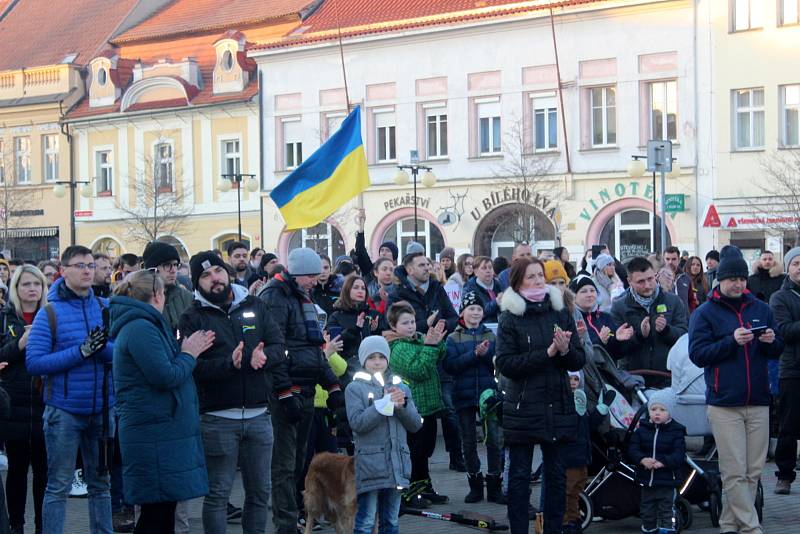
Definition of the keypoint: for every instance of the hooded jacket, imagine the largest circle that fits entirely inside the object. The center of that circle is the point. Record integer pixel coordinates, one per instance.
(382, 456)
(667, 444)
(71, 383)
(490, 307)
(764, 282)
(424, 304)
(471, 374)
(157, 408)
(735, 375)
(539, 406)
(785, 306)
(220, 385)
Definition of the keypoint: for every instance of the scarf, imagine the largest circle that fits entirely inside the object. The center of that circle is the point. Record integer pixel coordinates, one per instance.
(489, 289)
(534, 294)
(645, 302)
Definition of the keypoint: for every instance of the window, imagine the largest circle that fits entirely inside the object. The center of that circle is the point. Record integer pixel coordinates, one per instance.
(50, 157)
(22, 159)
(332, 123)
(664, 110)
(385, 147)
(163, 168)
(402, 232)
(231, 157)
(604, 115)
(489, 133)
(227, 61)
(545, 122)
(323, 238)
(104, 172)
(747, 14)
(436, 132)
(630, 233)
(790, 12)
(102, 76)
(790, 115)
(749, 120)
(293, 145)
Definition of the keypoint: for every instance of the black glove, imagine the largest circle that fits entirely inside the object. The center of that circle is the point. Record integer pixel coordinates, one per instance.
(94, 342)
(335, 399)
(292, 409)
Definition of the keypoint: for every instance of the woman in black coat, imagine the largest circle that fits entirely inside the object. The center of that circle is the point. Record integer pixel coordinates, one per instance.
(22, 430)
(536, 345)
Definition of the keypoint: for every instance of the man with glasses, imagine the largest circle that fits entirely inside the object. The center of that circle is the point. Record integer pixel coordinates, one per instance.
(102, 275)
(164, 258)
(68, 345)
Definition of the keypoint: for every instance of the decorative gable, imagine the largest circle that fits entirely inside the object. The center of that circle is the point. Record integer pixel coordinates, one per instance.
(232, 68)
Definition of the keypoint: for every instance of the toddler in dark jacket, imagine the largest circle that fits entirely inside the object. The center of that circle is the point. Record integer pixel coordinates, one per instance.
(658, 449)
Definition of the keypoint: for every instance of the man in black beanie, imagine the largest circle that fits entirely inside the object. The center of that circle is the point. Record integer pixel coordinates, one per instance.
(165, 259)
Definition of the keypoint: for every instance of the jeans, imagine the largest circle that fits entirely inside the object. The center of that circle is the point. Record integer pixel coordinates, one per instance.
(22, 454)
(387, 503)
(64, 435)
(3, 515)
(466, 421)
(156, 518)
(788, 429)
(450, 430)
(519, 489)
(228, 442)
(291, 442)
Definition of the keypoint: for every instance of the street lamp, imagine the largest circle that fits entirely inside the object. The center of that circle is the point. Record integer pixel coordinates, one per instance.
(428, 180)
(227, 183)
(60, 191)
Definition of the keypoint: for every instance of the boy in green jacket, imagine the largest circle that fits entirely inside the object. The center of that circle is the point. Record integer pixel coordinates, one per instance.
(415, 357)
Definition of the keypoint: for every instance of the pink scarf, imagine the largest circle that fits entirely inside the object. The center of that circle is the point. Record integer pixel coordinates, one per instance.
(534, 294)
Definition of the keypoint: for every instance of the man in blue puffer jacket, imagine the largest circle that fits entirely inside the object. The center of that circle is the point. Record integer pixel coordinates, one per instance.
(71, 360)
(732, 335)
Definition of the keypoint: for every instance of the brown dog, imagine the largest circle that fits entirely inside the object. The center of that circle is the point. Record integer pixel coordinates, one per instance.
(331, 492)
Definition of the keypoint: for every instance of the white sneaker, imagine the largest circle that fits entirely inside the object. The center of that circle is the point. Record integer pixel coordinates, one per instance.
(79, 488)
(3, 461)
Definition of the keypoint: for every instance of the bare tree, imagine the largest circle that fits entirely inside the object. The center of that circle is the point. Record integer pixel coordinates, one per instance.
(14, 202)
(781, 185)
(160, 207)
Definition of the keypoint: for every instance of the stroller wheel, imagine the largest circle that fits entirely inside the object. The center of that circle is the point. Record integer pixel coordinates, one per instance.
(760, 501)
(714, 507)
(684, 514)
(587, 510)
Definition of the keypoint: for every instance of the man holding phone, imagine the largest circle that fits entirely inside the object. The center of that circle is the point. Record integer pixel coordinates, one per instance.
(732, 336)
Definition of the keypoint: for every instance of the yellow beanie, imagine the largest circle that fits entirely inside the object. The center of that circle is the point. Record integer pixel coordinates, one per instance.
(554, 269)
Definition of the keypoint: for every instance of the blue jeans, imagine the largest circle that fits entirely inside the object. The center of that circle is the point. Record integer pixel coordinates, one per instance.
(519, 488)
(387, 502)
(64, 434)
(228, 442)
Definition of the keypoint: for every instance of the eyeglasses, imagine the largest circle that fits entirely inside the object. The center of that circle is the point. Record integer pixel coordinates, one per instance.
(83, 266)
(170, 266)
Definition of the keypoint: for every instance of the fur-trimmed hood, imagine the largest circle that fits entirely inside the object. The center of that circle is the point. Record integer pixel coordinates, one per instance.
(774, 272)
(514, 303)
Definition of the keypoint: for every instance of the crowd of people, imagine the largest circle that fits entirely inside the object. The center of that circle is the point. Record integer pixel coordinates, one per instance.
(145, 381)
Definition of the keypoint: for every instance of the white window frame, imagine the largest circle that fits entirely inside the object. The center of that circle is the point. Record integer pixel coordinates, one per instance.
(536, 101)
(423, 233)
(753, 112)
(50, 166)
(225, 157)
(22, 160)
(751, 10)
(104, 171)
(169, 161)
(603, 105)
(618, 229)
(436, 116)
(485, 109)
(306, 235)
(795, 107)
(333, 121)
(385, 119)
(292, 147)
(782, 7)
(668, 85)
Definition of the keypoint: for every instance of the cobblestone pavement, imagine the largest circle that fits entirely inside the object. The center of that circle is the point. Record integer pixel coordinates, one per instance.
(781, 512)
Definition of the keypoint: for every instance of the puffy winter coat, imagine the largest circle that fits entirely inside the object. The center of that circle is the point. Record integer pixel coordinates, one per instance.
(735, 375)
(472, 375)
(764, 282)
(383, 459)
(325, 295)
(157, 408)
(435, 299)
(352, 334)
(417, 364)
(667, 444)
(71, 383)
(25, 419)
(539, 406)
(785, 306)
(490, 307)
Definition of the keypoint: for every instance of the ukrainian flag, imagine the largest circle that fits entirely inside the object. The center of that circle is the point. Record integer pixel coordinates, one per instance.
(323, 183)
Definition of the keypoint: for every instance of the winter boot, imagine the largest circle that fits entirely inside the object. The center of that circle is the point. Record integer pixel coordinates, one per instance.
(475, 488)
(412, 497)
(429, 493)
(494, 489)
(457, 461)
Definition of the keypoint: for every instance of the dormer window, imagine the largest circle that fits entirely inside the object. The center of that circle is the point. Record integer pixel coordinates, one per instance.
(232, 70)
(227, 61)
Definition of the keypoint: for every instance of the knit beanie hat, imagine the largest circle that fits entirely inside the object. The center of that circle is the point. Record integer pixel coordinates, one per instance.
(266, 258)
(713, 254)
(664, 398)
(157, 253)
(304, 262)
(372, 345)
(792, 254)
(414, 248)
(603, 261)
(448, 252)
(202, 261)
(731, 264)
(391, 246)
(580, 281)
(469, 299)
(554, 269)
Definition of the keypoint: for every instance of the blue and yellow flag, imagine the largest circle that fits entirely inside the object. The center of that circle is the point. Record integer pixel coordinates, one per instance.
(332, 175)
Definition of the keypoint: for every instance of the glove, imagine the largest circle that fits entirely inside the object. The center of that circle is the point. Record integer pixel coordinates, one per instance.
(633, 381)
(292, 409)
(607, 397)
(94, 342)
(335, 399)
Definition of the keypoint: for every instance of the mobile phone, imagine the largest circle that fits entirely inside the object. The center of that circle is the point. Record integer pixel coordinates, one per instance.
(335, 331)
(758, 329)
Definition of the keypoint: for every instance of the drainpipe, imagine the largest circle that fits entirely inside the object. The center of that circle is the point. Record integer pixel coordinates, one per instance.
(696, 131)
(65, 131)
(261, 160)
(560, 94)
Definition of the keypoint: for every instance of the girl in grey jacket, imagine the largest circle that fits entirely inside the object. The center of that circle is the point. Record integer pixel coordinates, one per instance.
(380, 411)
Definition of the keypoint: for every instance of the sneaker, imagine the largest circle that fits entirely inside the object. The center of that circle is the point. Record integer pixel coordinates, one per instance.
(123, 521)
(78, 488)
(417, 502)
(783, 487)
(429, 493)
(234, 512)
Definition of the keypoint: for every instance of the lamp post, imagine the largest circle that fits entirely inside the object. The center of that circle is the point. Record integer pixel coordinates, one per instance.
(60, 191)
(428, 180)
(227, 183)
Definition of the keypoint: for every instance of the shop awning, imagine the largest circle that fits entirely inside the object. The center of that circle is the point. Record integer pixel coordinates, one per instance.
(41, 231)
